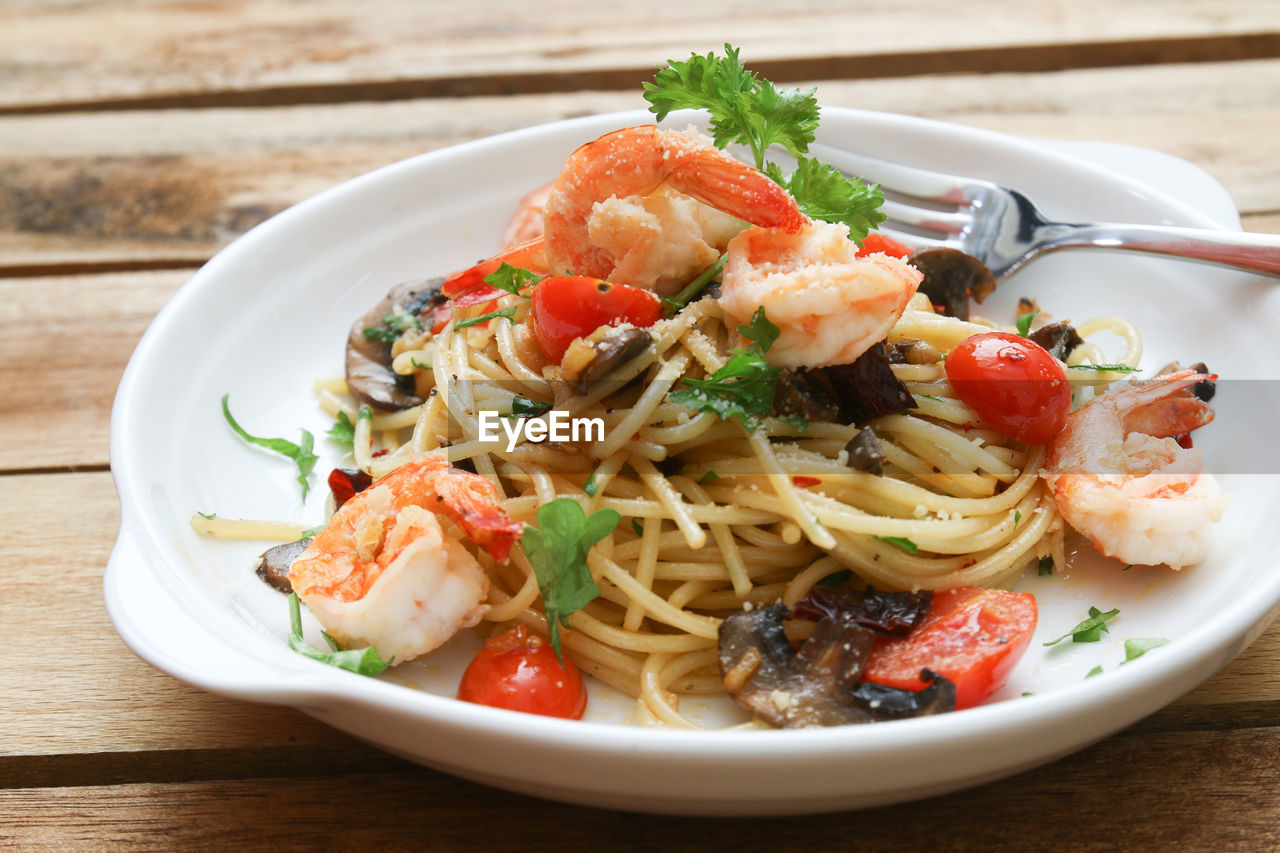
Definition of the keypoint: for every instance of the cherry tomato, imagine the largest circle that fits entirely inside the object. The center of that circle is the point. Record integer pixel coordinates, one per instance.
(568, 307)
(1013, 384)
(878, 242)
(971, 636)
(519, 672)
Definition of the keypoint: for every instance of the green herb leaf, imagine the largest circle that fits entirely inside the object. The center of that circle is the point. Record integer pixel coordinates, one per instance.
(381, 333)
(638, 526)
(825, 193)
(902, 542)
(1090, 630)
(1017, 517)
(343, 431)
(835, 578)
(1115, 368)
(1024, 323)
(1139, 646)
(300, 453)
(311, 532)
(1046, 566)
(557, 549)
(484, 318)
(744, 108)
(742, 388)
(208, 516)
(591, 486)
(1097, 670)
(364, 661)
(512, 279)
(523, 407)
(708, 477)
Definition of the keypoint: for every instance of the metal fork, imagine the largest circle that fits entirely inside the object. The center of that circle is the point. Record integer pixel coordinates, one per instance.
(1004, 229)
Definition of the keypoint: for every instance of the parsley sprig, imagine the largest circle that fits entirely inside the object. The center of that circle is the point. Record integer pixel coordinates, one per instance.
(364, 661)
(750, 110)
(300, 453)
(743, 387)
(557, 549)
(1090, 630)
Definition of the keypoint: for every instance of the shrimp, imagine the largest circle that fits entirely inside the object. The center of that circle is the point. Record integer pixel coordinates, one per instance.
(829, 305)
(1119, 477)
(527, 223)
(644, 207)
(384, 573)
(585, 236)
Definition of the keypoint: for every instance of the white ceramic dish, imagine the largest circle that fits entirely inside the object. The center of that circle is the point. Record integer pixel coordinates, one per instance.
(269, 313)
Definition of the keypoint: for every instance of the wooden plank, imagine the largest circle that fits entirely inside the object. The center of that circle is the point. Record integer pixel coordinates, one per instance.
(170, 187)
(1137, 792)
(171, 54)
(65, 346)
(67, 682)
(69, 688)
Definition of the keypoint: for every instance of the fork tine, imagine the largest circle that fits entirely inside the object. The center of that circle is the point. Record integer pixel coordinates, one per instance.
(904, 180)
(931, 222)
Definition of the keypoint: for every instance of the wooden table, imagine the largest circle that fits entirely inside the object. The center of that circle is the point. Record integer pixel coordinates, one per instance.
(136, 139)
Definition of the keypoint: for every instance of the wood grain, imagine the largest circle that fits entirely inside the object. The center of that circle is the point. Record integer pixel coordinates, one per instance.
(1200, 791)
(94, 191)
(222, 52)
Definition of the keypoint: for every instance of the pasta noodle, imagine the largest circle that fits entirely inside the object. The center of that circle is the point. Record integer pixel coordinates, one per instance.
(715, 516)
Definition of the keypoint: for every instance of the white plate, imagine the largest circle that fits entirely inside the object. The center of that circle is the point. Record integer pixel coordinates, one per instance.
(270, 313)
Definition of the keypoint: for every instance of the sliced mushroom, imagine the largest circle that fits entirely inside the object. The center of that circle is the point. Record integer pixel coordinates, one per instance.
(802, 393)
(951, 277)
(818, 686)
(865, 452)
(912, 351)
(611, 348)
(1058, 338)
(368, 369)
(273, 565)
(868, 388)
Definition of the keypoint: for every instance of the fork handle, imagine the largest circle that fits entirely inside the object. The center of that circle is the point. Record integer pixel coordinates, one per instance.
(1258, 253)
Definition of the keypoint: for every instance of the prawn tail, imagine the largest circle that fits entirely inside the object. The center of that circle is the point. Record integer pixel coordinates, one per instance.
(737, 189)
(468, 287)
(472, 502)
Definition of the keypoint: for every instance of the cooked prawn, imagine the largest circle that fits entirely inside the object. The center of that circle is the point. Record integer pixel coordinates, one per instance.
(636, 161)
(385, 573)
(644, 207)
(1119, 477)
(527, 223)
(829, 305)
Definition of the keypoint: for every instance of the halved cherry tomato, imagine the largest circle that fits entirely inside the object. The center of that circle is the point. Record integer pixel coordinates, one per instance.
(971, 636)
(568, 307)
(878, 242)
(1013, 384)
(519, 672)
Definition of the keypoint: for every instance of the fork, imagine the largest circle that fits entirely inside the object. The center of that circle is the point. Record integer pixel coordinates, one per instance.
(1004, 229)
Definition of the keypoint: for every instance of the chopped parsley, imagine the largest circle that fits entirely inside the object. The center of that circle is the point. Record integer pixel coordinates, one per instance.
(364, 661)
(1023, 325)
(1136, 647)
(484, 318)
(512, 279)
(1116, 368)
(523, 407)
(902, 542)
(1046, 566)
(1097, 670)
(708, 477)
(1090, 630)
(557, 549)
(591, 486)
(300, 453)
(743, 387)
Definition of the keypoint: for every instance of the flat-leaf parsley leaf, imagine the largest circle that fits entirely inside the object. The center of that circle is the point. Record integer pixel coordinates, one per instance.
(557, 549)
(300, 453)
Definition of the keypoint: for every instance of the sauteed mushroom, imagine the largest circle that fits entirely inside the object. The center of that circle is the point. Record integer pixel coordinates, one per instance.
(615, 346)
(951, 277)
(273, 565)
(1058, 338)
(819, 685)
(369, 343)
(868, 388)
